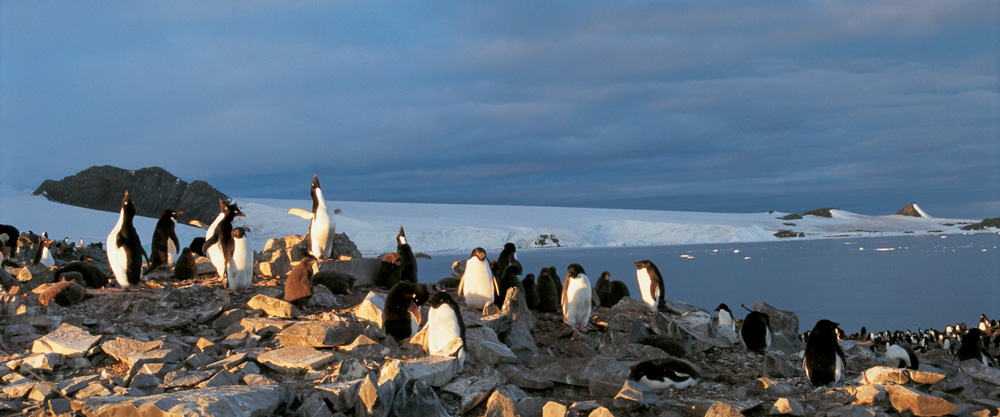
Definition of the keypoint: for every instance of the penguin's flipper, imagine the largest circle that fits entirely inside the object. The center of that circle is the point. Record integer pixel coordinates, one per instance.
(565, 291)
(496, 285)
(461, 284)
(198, 224)
(422, 255)
(304, 214)
(209, 242)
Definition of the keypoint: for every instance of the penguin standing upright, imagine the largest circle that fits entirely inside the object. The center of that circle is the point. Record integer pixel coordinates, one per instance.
(387, 274)
(124, 249)
(239, 276)
(298, 286)
(165, 246)
(219, 237)
(444, 324)
(650, 285)
(185, 268)
(576, 298)
(973, 347)
(407, 260)
(401, 317)
(554, 274)
(603, 289)
(756, 331)
(824, 360)
(322, 227)
(43, 256)
(726, 317)
(548, 292)
(665, 373)
(508, 255)
(478, 285)
(530, 291)
(507, 281)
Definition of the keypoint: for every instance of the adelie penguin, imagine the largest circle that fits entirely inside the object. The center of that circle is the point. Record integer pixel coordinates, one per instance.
(508, 256)
(530, 291)
(900, 355)
(824, 360)
(239, 274)
(508, 279)
(444, 325)
(124, 249)
(401, 317)
(165, 246)
(407, 260)
(725, 317)
(219, 237)
(43, 256)
(298, 286)
(610, 292)
(548, 292)
(322, 226)
(650, 285)
(665, 373)
(478, 285)
(973, 347)
(756, 331)
(185, 268)
(576, 298)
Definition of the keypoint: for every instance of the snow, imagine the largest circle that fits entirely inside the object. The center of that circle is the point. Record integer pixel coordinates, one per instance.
(449, 228)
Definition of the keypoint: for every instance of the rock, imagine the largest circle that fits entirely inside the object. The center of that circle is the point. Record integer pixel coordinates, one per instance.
(371, 308)
(786, 406)
(473, 391)
(870, 395)
(721, 409)
(262, 400)
(775, 388)
(523, 378)
(313, 406)
(633, 396)
(960, 384)
(273, 307)
(341, 396)
(67, 340)
(776, 367)
(221, 379)
(928, 378)
(320, 333)
(483, 346)
(784, 328)
(295, 359)
(364, 347)
(322, 298)
(905, 399)
(374, 400)
(229, 362)
(362, 269)
(515, 306)
(175, 379)
(694, 331)
(436, 371)
(884, 375)
(638, 331)
(554, 409)
(604, 376)
(228, 318)
(501, 404)
(981, 372)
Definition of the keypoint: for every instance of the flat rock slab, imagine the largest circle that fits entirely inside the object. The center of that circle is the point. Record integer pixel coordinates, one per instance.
(905, 399)
(67, 340)
(884, 375)
(262, 400)
(434, 370)
(319, 334)
(273, 307)
(295, 359)
(121, 348)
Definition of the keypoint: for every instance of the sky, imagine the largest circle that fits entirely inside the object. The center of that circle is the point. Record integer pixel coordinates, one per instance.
(690, 106)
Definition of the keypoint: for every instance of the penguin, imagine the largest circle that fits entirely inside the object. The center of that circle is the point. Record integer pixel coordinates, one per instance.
(401, 316)
(901, 355)
(93, 275)
(726, 317)
(407, 260)
(298, 286)
(335, 281)
(4, 248)
(125, 251)
(185, 268)
(650, 285)
(972, 347)
(824, 360)
(322, 227)
(756, 331)
(665, 373)
(508, 255)
(9, 245)
(387, 274)
(548, 292)
(165, 245)
(197, 245)
(64, 293)
(576, 298)
(530, 291)
(478, 285)
(239, 274)
(444, 324)
(219, 237)
(619, 290)
(507, 281)
(554, 275)
(603, 288)
(44, 254)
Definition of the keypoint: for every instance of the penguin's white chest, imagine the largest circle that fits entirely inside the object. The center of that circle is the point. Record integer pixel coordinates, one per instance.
(576, 311)
(240, 274)
(726, 320)
(648, 297)
(46, 258)
(117, 257)
(172, 250)
(442, 327)
(321, 232)
(668, 383)
(478, 283)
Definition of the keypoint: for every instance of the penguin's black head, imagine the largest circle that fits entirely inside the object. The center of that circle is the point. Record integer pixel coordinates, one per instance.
(171, 214)
(315, 183)
(240, 232)
(529, 278)
(825, 326)
(509, 247)
(442, 297)
(513, 269)
(479, 253)
(420, 294)
(127, 205)
(401, 236)
(605, 276)
(723, 307)
(643, 264)
(574, 270)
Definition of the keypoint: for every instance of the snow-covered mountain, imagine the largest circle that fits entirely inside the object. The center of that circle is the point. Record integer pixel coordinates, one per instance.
(449, 227)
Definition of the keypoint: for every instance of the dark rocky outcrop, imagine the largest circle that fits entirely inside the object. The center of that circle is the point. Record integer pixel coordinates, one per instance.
(910, 210)
(821, 212)
(985, 224)
(154, 189)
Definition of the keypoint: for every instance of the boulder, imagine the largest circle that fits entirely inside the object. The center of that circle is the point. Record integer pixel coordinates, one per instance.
(273, 307)
(784, 328)
(502, 404)
(295, 359)
(721, 409)
(484, 347)
(341, 396)
(262, 400)
(694, 331)
(884, 375)
(474, 390)
(374, 400)
(634, 396)
(436, 371)
(788, 407)
(906, 399)
(330, 333)
(417, 399)
(778, 389)
(67, 340)
(524, 378)
(371, 308)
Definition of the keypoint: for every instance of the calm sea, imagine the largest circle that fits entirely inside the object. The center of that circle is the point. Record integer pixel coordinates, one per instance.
(883, 283)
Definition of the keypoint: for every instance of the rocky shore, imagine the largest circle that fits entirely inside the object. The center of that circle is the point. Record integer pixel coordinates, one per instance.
(194, 348)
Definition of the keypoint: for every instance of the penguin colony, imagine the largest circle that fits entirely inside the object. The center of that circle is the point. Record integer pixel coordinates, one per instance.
(483, 281)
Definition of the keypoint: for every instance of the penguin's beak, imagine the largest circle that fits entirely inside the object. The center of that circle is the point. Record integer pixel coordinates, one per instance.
(415, 312)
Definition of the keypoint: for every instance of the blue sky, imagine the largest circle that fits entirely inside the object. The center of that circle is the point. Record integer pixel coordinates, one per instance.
(695, 106)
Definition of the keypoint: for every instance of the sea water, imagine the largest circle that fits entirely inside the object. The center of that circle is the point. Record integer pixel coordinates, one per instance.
(883, 283)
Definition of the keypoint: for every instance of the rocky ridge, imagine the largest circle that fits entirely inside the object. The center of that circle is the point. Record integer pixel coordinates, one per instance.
(194, 348)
